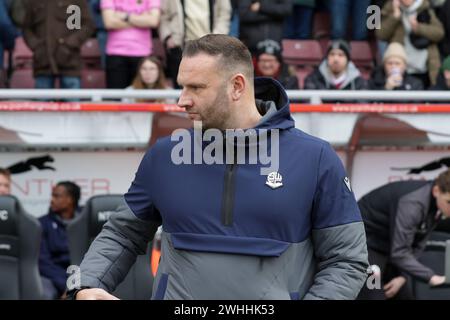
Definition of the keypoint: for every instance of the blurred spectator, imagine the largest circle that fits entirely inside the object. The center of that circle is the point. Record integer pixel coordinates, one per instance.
(262, 20)
(413, 24)
(100, 30)
(56, 48)
(444, 17)
(188, 20)
(234, 22)
(269, 63)
(392, 75)
(8, 34)
(336, 72)
(5, 182)
(54, 257)
(129, 40)
(299, 23)
(443, 79)
(343, 11)
(150, 75)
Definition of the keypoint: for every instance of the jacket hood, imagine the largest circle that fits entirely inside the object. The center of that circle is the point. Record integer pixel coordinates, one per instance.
(269, 90)
(352, 73)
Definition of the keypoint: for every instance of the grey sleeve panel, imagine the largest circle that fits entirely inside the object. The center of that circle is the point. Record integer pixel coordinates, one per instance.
(407, 221)
(114, 250)
(341, 253)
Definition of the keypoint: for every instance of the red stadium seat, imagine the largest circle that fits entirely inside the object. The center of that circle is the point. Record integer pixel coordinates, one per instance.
(22, 79)
(91, 54)
(93, 79)
(302, 52)
(301, 74)
(22, 55)
(362, 55)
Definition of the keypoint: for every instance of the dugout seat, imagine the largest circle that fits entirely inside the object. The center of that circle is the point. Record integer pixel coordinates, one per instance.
(137, 285)
(20, 236)
(434, 257)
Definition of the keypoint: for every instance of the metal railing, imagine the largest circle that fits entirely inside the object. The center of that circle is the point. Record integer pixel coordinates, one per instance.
(311, 96)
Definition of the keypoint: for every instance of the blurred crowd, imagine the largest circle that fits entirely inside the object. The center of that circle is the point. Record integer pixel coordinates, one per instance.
(410, 47)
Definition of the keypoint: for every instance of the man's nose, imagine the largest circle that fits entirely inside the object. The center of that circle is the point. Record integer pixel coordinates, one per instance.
(184, 101)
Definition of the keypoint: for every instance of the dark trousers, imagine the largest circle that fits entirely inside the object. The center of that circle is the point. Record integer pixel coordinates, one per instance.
(120, 71)
(388, 272)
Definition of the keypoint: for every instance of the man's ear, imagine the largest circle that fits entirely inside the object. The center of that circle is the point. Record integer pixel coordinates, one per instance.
(238, 85)
(436, 192)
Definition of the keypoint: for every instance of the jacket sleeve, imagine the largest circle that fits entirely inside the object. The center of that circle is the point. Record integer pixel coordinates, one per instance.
(433, 31)
(29, 36)
(407, 221)
(338, 234)
(389, 23)
(222, 18)
(276, 9)
(48, 269)
(124, 236)
(114, 250)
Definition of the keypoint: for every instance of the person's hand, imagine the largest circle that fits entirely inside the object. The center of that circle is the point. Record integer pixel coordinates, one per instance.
(393, 286)
(94, 294)
(255, 6)
(414, 23)
(170, 43)
(393, 81)
(63, 296)
(436, 280)
(396, 7)
(120, 14)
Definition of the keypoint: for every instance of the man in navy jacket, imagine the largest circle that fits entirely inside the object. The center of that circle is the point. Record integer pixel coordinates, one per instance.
(54, 255)
(239, 225)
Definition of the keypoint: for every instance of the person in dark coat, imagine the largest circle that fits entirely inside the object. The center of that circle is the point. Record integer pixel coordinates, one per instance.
(54, 256)
(55, 42)
(443, 79)
(392, 74)
(263, 19)
(337, 71)
(269, 63)
(398, 219)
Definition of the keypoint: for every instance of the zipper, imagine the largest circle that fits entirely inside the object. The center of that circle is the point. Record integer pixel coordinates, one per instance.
(228, 193)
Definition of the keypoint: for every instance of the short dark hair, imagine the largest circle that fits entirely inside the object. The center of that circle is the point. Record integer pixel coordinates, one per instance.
(234, 54)
(73, 190)
(5, 172)
(443, 181)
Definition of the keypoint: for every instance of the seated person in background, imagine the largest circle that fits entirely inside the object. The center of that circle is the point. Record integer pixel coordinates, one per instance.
(5, 182)
(269, 63)
(398, 218)
(150, 75)
(443, 79)
(392, 75)
(54, 256)
(336, 72)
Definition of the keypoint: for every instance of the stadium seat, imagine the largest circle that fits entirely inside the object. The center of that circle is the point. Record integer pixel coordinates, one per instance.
(20, 236)
(93, 79)
(362, 55)
(22, 79)
(164, 124)
(137, 285)
(302, 53)
(434, 258)
(301, 74)
(90, 54)
(22, 55)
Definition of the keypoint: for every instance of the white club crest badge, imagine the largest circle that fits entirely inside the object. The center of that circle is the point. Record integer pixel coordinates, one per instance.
(274, 180)
(347, 184)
